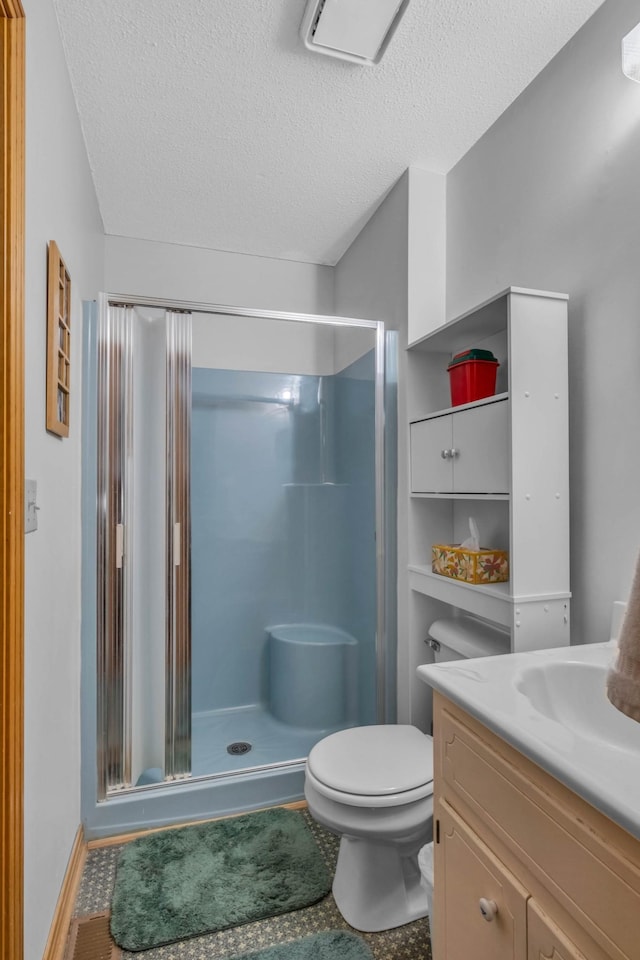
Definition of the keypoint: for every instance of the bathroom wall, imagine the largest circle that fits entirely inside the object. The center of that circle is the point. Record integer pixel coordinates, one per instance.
(173, 271)
(270, 346)
(548, 199)
(371, 281)
(61, 206)
(393, 271)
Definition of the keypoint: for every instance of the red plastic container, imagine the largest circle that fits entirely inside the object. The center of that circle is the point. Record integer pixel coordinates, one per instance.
(472, 380)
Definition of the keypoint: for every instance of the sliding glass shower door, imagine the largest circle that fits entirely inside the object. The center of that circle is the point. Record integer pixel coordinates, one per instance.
(241, 562)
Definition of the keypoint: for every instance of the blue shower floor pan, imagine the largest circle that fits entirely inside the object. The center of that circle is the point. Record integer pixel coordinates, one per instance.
(271, 741)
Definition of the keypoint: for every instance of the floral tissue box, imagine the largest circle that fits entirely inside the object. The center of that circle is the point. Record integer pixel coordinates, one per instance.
(472, 566)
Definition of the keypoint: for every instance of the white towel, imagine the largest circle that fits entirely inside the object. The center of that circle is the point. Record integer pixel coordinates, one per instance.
(623, 681)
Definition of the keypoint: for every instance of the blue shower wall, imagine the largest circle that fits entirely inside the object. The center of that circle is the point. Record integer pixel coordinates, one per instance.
(282, 522)
(241, 457)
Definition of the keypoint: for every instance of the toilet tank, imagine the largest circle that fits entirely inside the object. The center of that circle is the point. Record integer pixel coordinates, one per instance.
(463, 638)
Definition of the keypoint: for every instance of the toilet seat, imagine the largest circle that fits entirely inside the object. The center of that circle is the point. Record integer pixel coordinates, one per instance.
(366, 799)
(376, 766)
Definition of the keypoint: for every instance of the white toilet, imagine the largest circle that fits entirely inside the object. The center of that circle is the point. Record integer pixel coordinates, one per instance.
(373, 786)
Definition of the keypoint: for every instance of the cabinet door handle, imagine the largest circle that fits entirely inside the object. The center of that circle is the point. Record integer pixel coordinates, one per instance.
(488, 909)
(445, 454)
(453, 452)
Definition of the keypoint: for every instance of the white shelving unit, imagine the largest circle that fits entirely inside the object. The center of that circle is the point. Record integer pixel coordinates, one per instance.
(506, 464)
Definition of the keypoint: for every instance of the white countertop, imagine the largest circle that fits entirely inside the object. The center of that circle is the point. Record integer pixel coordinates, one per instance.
(603, 773)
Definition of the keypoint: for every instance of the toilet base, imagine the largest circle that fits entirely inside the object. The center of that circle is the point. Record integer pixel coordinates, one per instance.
(377, 885)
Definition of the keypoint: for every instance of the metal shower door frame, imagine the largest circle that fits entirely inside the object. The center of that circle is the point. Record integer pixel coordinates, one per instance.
(114, 731)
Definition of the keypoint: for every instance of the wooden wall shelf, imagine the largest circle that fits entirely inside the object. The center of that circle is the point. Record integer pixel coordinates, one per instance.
(58, 343)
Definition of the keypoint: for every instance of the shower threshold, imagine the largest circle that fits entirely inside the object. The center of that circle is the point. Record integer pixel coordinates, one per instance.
(270, 741)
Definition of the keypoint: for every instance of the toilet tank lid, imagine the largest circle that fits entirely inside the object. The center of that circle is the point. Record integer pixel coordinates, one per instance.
(378, 760)
(470, 637)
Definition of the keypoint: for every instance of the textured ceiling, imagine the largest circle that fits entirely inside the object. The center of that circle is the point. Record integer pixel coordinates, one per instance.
(208, 123)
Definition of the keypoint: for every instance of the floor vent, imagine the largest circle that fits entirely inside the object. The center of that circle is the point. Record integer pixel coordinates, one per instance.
(238, 748)
(90, 939)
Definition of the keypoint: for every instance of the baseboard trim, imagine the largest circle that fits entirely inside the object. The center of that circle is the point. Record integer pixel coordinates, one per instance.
(59, 932)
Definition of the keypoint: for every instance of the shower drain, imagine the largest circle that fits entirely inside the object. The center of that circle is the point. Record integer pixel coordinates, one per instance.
(238, 748)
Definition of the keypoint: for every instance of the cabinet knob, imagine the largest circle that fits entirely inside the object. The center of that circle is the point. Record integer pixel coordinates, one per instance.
(488, 909)
(445, 454)
(453, 452)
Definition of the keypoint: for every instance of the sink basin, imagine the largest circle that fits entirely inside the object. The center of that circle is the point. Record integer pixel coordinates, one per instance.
(574, 694)
(552, 706)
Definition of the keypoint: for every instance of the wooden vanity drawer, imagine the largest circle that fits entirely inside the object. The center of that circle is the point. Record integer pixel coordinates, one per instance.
(470, 876)
(588, 864)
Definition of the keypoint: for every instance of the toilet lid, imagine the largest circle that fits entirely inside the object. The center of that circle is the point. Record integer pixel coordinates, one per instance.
(373, 761)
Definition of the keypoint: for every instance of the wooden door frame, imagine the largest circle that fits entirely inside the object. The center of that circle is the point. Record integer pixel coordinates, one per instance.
(12, 202)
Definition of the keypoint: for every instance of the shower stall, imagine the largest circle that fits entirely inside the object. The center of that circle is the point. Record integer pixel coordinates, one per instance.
(238, 491)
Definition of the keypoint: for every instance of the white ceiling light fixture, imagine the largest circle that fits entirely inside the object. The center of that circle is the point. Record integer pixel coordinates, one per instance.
(355, 30)
(631, 54)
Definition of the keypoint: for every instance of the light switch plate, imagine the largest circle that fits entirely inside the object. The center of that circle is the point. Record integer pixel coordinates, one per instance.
(30, 506)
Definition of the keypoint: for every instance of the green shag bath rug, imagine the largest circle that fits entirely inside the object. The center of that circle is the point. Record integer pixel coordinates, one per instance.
(332, 945)
(193, 880)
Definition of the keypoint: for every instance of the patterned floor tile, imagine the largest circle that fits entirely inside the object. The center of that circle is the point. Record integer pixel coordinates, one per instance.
(410, 942)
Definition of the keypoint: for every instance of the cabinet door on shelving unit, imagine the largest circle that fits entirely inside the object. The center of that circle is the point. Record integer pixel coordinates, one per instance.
(480, 907)
(545, 940)
(431, 472)
(481, 445)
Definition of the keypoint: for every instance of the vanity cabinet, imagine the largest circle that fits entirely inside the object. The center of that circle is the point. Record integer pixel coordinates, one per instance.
(462, 452)
(503, 460)
(524, 868)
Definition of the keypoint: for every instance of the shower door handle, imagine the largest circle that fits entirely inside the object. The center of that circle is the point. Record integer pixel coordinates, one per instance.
(119, 545)
(176, 544)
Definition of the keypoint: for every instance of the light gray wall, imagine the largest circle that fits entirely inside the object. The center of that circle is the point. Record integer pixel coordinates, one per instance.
(548, 198)
(394, 271)
(371, 282)
(60, 206)
(176, 272)
(258, 343)
(426, 267)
